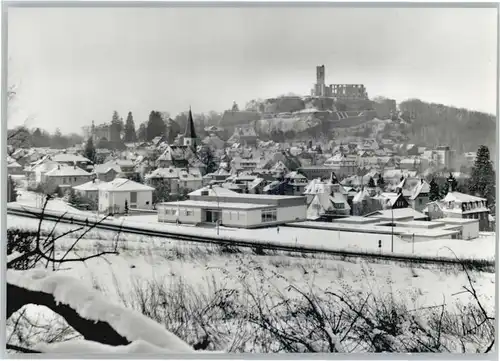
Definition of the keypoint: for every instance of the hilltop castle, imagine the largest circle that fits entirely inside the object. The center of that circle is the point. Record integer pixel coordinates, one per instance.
(339, 91)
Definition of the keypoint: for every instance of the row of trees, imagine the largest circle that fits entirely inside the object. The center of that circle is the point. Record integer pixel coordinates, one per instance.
(22, 137)
(159, 124)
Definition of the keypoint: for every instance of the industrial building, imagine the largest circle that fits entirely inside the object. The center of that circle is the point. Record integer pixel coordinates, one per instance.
(223, 207)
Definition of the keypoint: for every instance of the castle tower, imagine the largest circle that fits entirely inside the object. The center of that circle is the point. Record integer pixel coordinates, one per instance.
(320, 88)
(320, 75)
(190, 134)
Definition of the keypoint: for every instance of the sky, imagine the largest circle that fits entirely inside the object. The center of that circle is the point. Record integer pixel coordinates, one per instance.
(74, 65)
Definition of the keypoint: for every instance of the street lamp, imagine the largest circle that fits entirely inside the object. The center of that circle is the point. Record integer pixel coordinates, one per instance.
(392, 229)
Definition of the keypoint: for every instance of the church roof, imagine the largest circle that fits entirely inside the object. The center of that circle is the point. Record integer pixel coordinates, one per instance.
(190, 132)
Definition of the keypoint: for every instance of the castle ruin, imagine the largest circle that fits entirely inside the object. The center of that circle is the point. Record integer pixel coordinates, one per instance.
(339, 91)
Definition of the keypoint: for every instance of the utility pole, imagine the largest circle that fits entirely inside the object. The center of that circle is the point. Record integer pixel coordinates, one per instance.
(392, 229)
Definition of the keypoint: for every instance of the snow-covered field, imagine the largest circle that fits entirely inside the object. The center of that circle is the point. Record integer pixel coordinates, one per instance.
(130, 275)
(197, 290)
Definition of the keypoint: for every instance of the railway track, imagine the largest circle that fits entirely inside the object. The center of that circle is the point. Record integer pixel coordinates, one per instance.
(77, 219)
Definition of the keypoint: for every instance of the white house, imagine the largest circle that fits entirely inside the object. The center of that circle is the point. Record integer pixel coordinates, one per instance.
(90, 189)
(115, 194)
(66, 176)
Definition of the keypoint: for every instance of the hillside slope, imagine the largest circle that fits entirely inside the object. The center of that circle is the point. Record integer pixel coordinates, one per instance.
(464, 130)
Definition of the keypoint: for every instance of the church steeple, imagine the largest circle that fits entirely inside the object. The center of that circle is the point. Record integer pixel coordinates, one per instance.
(190, 134)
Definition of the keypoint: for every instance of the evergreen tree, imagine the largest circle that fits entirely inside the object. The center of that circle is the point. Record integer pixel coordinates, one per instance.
(235, 107)
(126, 206)
(482, 182)
(142, 133)
(371, 183)
(11, 190)
(155, 126)
(172, 130)
(206, 156)
(434, 193)
(161, 192)
(130, 135)
(380, 182)
(89, 151)
(450, 181)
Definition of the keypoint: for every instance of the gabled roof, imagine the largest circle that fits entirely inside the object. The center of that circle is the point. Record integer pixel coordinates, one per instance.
(361, 195)
(66, 157)
(124, 185)
(89, 186)
(461, 198)
(69, 171)
(421, 187)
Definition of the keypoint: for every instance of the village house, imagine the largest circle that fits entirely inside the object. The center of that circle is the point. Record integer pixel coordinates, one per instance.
(176, 178)
(106, 172)
(36, 172)
(89, 190)
(244, 134)
(13, 167)
(65, 176)
(122, 193)
(460, 205)
(420, 196)
(71, 159)
(390, 200)
(297, 181)
(343, 165)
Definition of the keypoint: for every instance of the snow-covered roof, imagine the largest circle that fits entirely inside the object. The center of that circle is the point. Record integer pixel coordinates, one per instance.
(14, 164)
(68, 171)
(398, 213)
(421, 187)
(124, 185)
(461, 198)
(89, 186)
(360, 196)
(67, 157)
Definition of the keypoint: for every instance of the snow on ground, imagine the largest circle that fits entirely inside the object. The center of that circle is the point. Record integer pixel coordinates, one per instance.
(480, 248)
(32, 199)
(419, 287)
(483, 247)
(143, 260)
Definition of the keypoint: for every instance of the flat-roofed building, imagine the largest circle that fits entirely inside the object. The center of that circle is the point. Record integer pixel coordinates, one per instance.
(218, 205)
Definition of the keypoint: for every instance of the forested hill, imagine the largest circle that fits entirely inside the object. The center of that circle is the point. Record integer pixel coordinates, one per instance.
(434, 124)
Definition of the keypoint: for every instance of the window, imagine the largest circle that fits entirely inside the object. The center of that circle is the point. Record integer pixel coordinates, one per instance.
(133, 197)
(74, 179)
(188, 212)
(269, 216)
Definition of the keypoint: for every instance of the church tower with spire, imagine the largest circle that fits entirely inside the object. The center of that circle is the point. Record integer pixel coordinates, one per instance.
(190, 138)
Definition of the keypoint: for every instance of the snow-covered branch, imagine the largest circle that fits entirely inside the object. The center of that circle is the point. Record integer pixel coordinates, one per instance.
(89, 313)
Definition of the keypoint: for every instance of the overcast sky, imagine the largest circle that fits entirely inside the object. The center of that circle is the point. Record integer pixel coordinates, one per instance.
(73, 66)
